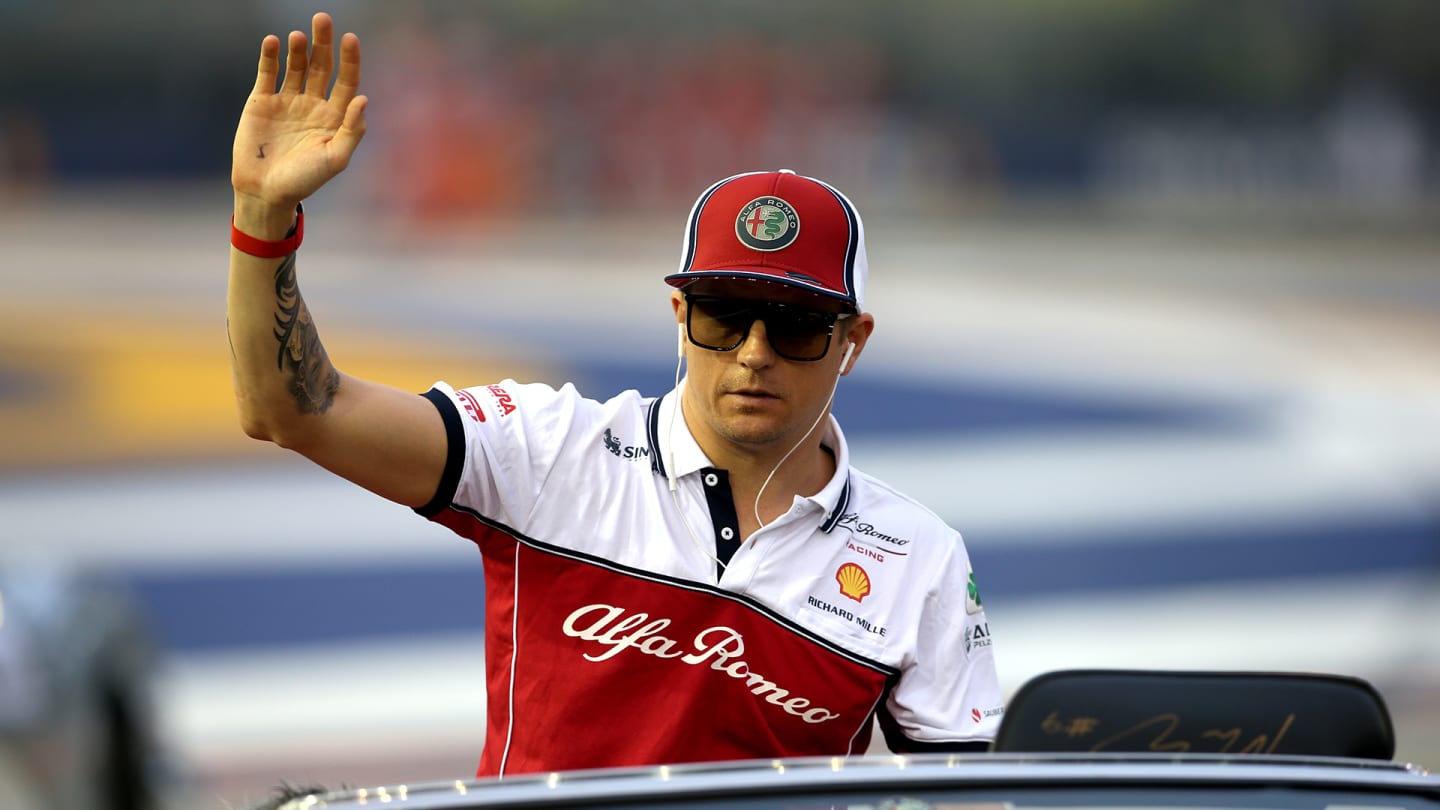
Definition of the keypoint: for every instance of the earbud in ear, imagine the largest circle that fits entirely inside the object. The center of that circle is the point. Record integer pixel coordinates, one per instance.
(849, 350)
(680, 340)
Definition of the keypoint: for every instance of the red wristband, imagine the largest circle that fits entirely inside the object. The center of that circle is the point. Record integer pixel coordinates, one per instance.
(265, 249)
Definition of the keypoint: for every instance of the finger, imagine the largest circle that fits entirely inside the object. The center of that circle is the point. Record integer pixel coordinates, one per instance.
(322, 56)
(295, 62)
(347, 84)
(347, 138)
(269, 66)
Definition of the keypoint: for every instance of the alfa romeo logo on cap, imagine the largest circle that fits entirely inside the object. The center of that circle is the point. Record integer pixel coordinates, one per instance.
(767, 223)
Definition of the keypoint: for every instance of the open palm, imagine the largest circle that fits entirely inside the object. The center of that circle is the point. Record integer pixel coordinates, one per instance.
(290, 142)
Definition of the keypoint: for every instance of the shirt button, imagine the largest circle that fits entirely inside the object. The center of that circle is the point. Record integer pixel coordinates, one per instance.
(727, 533)
(711, 479)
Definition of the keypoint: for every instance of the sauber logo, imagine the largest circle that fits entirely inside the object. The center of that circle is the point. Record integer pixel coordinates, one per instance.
(502, 399)
(720, 647)
(854, 582)
(472, 405)
(978, 716)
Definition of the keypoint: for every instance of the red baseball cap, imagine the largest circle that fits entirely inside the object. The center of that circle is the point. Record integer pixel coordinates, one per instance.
(780, 227)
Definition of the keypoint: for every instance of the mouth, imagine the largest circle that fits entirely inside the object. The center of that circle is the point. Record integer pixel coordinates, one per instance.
(752, 394)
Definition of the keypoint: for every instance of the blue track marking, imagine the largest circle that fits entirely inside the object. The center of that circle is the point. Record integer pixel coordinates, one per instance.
(874, 403)
(216, 609)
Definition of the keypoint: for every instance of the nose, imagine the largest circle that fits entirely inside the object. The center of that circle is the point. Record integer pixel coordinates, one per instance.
(755, 351)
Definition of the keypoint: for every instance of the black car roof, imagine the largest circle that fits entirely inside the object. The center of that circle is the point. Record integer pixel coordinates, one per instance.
(1121, 729)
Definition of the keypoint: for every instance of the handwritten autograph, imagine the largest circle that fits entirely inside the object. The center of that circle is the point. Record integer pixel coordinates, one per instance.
(1157, 733)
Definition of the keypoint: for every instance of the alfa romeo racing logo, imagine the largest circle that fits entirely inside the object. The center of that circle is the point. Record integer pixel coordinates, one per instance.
(767, 223)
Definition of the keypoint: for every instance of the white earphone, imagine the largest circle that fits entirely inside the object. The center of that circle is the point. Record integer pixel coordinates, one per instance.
(849, 350)
(680, 343)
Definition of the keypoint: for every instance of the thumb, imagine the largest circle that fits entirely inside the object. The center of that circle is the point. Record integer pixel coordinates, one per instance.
(352, 129)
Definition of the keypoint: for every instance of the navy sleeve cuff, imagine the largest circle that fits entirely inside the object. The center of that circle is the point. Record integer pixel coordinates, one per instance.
(454, 456)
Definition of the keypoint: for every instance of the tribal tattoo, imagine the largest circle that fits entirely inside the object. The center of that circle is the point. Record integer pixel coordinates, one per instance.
(313, 380)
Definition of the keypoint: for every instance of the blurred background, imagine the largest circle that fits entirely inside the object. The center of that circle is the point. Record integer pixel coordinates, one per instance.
(1156, 284)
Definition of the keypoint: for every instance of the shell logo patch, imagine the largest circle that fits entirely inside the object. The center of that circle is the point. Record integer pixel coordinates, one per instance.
(767, 223)
(854, 582)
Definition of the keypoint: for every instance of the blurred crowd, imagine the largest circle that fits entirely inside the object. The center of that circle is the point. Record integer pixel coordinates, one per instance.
(517, 109)
(473, 123)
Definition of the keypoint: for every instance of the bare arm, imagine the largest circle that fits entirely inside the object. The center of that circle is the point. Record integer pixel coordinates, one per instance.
(288, 144)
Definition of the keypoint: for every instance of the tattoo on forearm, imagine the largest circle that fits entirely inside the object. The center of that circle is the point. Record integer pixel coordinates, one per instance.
(313, 380)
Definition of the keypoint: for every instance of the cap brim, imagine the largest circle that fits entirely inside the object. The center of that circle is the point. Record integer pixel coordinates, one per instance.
(767, 274)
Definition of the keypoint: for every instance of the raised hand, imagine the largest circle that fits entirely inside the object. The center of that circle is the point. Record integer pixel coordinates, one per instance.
(290, 142)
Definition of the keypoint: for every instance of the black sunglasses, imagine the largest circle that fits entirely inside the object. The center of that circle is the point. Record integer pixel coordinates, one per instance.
(795, 333)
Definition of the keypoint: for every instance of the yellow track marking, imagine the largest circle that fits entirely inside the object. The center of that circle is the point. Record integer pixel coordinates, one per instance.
(87, 388)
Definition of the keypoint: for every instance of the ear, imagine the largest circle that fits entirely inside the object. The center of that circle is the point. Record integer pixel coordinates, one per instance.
(858, 335)
(677, 303)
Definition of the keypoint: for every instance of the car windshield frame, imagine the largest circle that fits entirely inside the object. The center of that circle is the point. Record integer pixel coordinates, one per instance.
(952, 782)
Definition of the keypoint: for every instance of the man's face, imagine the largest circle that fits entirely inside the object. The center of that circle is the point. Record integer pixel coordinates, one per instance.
(752, 398)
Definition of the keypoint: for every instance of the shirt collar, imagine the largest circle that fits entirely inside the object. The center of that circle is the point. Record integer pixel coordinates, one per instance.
(673, 448)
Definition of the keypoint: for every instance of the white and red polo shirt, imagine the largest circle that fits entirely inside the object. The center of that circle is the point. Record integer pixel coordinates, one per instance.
(616, 635)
